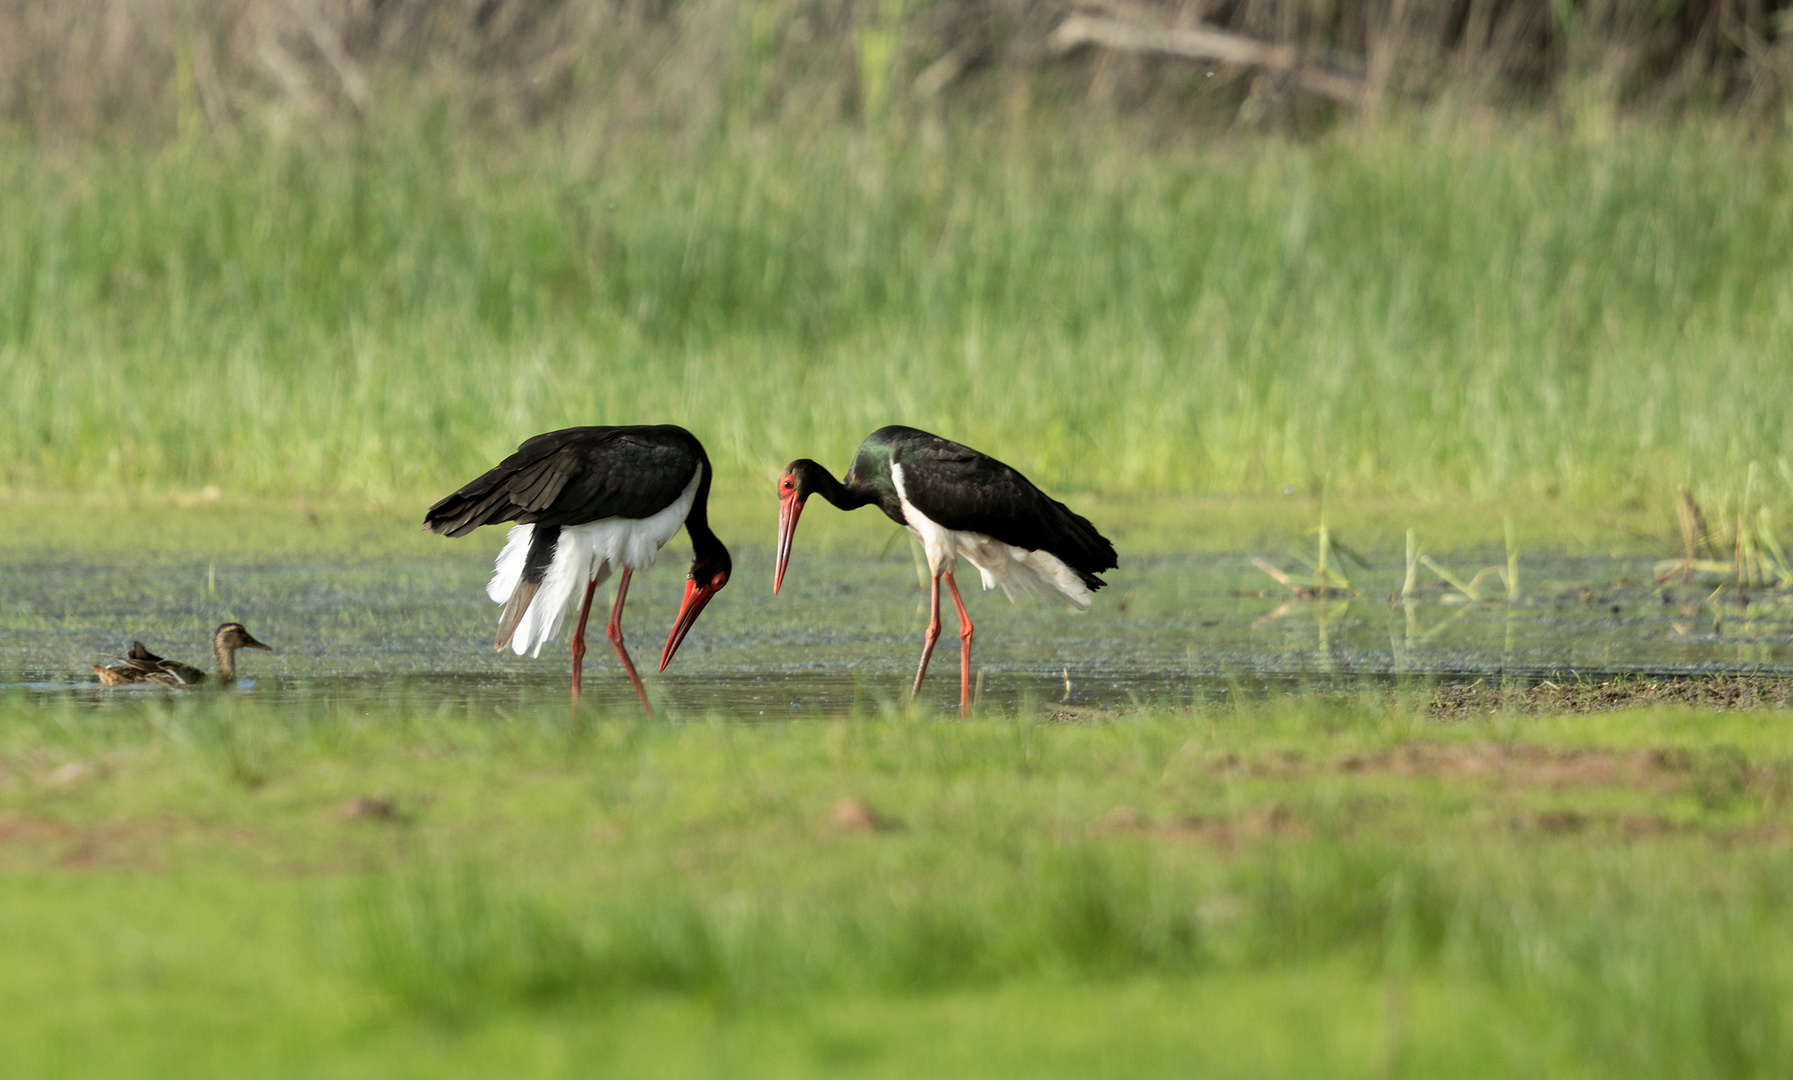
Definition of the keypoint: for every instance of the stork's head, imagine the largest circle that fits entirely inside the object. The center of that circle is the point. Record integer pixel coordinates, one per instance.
(801, 478)
(710, 566)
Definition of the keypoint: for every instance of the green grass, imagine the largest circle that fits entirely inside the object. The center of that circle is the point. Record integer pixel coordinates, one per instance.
(1301, 887)
(1432, 312)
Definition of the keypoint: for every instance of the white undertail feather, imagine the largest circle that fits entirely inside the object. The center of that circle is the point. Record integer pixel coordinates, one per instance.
(1005, 566)
(584, 553)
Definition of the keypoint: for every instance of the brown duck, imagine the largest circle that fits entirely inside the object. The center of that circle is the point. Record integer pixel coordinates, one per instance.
(142, 666)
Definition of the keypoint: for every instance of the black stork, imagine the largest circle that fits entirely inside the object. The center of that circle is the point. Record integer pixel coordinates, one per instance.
(588, 501)
(956, 501)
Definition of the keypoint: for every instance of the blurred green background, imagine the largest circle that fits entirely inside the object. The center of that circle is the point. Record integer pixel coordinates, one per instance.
(361, 251)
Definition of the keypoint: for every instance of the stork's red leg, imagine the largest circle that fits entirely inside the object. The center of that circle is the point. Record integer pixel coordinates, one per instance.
(964, 648)
(615, 633)
(579, 638)
(927, 648)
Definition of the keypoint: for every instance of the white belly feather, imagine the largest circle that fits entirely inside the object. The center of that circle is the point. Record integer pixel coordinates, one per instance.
(1013, 569)
(584, 553)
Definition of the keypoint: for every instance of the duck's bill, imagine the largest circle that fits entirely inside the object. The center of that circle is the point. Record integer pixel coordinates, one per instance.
(789, 510)
(254, 644)
(696, 596)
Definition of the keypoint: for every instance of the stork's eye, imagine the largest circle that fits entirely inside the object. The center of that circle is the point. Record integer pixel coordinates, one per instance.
(718, 581)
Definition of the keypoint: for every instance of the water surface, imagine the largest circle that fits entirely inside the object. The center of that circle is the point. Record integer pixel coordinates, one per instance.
(846, 632)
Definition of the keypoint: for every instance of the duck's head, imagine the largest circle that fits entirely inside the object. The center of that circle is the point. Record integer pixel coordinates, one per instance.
(234, 636)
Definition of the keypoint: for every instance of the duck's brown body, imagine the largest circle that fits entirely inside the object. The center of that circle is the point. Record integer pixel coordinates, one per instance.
(142, 666)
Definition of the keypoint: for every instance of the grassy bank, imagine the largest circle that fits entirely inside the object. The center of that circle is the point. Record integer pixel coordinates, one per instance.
(1425, 313)
(1353, 887)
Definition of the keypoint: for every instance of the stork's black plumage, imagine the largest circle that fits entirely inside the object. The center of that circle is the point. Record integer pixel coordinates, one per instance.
(578, 475)
(602, 495)
(957, 501)
(968, 491)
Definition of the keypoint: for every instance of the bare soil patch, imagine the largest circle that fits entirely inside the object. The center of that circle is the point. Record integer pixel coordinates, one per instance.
(1272, 820)
(1724, 692)
(1526, 765)
(125, 845)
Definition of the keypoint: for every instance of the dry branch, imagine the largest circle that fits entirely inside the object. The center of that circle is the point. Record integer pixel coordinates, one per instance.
(1206, 44)
(940, 74)
(1302, 592)
(329, 45)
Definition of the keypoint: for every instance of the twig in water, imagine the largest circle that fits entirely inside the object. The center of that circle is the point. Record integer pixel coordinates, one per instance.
(1413, 557)
(1455, 582)
(1279, 577)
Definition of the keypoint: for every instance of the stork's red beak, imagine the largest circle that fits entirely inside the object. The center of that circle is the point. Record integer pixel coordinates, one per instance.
(790, 508)
(696, 596)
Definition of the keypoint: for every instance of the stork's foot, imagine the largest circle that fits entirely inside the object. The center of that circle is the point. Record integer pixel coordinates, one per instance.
(579, 642)
(965, 629)
(614, 631)
(933, 635)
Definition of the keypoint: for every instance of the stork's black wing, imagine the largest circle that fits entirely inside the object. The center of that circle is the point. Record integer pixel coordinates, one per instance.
(573, 476)
(962, 489)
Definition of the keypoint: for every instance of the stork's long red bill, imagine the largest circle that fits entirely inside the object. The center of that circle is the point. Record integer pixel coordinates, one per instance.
(790, 508)
(696, 596)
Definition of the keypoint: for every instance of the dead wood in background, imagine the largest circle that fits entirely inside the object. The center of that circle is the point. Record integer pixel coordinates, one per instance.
(1206, 44)
(148, 67)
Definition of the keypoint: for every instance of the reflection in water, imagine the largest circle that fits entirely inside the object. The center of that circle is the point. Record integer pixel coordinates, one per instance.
(415, 634)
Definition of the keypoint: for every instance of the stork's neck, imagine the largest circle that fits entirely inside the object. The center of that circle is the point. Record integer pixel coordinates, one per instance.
(848, 496)
(706, 546)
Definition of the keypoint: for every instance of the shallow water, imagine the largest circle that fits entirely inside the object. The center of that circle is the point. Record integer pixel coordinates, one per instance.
(846, 633)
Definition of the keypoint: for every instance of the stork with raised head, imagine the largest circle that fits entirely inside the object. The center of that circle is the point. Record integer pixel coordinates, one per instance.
(588, 501)
(956, 501)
